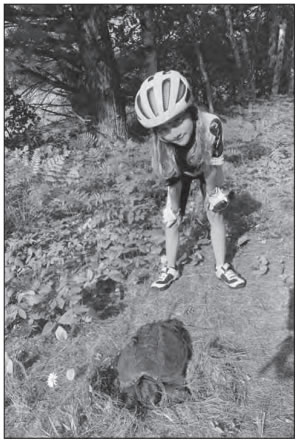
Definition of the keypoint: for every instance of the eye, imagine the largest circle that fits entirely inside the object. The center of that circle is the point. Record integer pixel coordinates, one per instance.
(163, 130)
(177, 122)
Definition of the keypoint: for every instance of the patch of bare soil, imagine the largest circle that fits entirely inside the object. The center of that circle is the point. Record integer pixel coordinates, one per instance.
(241, 373)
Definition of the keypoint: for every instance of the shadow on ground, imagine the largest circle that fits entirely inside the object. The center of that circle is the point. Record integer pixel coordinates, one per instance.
(283, 361)
(239, 219)
(106, 300)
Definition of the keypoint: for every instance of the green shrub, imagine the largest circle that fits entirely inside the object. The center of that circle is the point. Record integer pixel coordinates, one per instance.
(19, 119)
(81, 217)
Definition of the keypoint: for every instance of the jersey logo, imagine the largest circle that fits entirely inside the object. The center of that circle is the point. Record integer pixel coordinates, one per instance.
(216, 129)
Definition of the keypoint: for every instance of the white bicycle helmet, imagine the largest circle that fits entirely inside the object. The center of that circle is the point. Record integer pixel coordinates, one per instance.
(161, 97)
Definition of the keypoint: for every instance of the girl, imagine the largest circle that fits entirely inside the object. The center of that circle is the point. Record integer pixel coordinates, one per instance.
(187, 145)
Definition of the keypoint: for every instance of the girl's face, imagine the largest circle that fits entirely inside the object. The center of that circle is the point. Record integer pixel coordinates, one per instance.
(177, 131)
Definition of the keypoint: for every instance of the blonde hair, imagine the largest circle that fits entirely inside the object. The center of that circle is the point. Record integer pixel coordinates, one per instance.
(163, 159)
(163, 154)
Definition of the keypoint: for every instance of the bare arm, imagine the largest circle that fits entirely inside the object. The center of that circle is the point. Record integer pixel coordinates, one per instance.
(214, 177)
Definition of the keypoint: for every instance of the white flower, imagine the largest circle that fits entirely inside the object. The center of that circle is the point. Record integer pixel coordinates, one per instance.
(52, 380)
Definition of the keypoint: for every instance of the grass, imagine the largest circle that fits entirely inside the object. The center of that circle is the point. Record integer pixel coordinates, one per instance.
(234, 335)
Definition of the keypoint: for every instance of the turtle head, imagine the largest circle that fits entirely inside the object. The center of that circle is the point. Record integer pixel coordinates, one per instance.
(146, 392)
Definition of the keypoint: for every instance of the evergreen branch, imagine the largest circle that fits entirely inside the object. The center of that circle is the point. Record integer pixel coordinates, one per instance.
(56, 83)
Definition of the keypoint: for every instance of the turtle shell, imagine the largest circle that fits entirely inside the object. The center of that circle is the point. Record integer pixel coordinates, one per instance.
(159, 351)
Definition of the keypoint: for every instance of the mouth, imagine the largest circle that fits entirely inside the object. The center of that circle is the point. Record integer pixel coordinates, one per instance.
(180, 137)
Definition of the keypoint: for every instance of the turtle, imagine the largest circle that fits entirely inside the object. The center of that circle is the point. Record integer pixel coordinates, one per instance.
(153, 364)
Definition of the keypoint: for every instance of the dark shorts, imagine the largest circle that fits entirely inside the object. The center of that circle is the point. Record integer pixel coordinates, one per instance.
(186, 186)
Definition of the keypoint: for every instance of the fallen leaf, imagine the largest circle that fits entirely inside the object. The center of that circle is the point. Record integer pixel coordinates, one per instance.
(183, 259)
(22, 313)
(47, 328)
(198, 258)
(204, 242)
(61, 334)
(157, 236)
(70, 374)
(26, 293)
(68, 318)
(244, 239)
(8, 364)
(115, 275)
(90, 275)
(263, 269)
(263, 260)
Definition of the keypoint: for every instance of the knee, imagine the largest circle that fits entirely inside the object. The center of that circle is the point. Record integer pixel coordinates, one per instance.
(171, 219)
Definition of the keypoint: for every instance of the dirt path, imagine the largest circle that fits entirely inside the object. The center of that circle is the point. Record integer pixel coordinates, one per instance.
(241, 373)
(257, 321)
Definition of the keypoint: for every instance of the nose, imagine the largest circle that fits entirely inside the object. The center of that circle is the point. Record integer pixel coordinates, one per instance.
(173, 133)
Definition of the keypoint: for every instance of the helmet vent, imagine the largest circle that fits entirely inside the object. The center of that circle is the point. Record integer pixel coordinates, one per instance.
(140, 107)
(166, 94)
(161, 97)
(188, 96)
(152, 101)
(181, 91)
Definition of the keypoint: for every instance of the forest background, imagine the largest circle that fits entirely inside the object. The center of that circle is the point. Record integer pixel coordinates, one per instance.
(83, 209)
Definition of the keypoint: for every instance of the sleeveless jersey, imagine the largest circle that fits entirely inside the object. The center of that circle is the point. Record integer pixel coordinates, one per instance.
(206, 143)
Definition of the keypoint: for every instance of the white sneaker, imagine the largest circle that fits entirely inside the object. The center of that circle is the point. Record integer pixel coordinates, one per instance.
(166, 278)
(227, 274)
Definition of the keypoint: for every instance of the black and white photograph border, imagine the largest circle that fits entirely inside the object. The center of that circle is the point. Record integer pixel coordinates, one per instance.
(148, 220)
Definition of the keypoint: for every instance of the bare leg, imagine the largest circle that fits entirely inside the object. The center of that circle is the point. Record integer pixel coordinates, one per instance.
(172, 233)
(218, 236)
(172, 242)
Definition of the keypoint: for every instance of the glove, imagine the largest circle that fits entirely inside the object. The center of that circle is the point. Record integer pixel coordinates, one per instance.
(217, 161)
(217, 201)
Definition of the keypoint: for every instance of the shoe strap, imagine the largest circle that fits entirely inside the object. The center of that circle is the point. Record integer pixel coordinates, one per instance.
(231, 274)
(227, 266)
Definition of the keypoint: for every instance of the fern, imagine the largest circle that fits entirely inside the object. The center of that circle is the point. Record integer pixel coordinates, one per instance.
(85, 141)
(53, 168)
(35, 162)
(73, 176)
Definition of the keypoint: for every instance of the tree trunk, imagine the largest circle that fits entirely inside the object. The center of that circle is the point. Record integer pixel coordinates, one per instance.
(249, 67)
(254, 45)
(272, 44)
(148, 34)
(235, 49)
(101, 81)
(291, 86)
(232, 39)
(204, 76)
(201, 64)
(279, 57)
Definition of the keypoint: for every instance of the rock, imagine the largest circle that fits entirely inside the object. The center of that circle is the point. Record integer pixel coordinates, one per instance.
(263, 260)
(242, 240)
